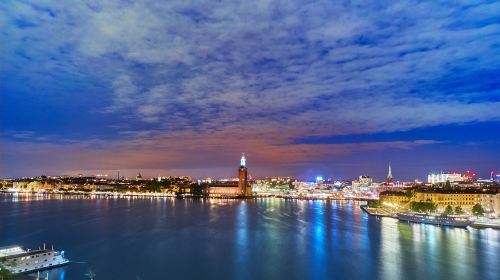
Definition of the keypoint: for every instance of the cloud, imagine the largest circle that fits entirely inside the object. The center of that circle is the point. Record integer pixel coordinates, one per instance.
(184, 68)
(146, 105)
(181, 150)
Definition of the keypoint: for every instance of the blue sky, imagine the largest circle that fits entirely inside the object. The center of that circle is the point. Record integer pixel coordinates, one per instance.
(303, 87)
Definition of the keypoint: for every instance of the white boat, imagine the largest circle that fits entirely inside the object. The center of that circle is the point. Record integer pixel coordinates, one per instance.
(10, 250)
(18, 260)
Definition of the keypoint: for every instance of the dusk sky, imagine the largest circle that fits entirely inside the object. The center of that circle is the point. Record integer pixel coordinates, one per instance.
(304, 88)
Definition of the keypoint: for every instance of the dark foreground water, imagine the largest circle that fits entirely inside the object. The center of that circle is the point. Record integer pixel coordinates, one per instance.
(234, 239)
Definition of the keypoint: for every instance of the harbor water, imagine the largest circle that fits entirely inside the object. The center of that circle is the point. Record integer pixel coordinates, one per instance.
(168, 238)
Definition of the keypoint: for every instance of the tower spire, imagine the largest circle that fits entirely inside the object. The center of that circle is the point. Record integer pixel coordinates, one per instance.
(389, 175)
(243, 160)
(244, 188)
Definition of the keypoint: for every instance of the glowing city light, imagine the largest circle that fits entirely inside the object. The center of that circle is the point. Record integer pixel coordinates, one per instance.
(243, 160)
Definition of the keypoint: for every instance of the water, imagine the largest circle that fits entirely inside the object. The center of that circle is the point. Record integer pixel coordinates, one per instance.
(142, 238)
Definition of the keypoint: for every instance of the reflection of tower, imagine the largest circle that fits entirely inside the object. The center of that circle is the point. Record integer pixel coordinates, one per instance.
(389, 175)
(243, 187)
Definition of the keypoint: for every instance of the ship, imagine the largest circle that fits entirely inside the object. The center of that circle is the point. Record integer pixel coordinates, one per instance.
(18, 260)
(441, 220)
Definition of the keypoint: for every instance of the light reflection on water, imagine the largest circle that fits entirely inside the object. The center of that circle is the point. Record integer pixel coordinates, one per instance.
(151, 238)
(390, 250)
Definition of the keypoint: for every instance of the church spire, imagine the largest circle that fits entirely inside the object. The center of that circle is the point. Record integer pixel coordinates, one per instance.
(389, 175)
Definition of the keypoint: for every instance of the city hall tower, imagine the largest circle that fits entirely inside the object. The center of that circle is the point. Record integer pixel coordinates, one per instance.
(244, 187)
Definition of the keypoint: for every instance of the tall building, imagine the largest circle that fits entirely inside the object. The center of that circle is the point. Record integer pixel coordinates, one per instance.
(233, 188)
(389, 176)
(243, 186)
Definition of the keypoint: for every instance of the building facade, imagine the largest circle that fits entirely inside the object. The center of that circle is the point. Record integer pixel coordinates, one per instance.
(394, 198)
(437, 178)
(362, 184)
(491, 204)
(240, 188)
(466, 199)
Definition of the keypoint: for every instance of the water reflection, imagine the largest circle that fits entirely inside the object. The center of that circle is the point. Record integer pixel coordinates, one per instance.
(390, 250)
(236, 239)
(319, 246)
(241, 248)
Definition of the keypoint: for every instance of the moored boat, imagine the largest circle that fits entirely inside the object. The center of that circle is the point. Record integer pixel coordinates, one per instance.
(442, 220)
(18, 260)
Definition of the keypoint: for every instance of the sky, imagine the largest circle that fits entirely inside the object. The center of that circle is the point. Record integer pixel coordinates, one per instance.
(303, 88)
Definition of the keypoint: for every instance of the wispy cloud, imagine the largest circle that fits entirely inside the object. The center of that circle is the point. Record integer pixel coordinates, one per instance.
(188, 68)
(182, 150)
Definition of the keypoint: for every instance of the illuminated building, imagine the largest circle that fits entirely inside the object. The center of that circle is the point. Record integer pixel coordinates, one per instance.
(319, 180)
(362, 184)
(233, 189)
(243, 187)
(365, 180)
(442, 177)
(138, 177)
(394, 198)
(491, 204)
(465, 199)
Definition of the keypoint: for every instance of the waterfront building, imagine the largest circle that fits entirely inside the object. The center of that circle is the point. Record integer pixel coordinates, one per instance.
(272, 184)
(233, 188)
(394, 198)
(223, 189)
(491, 204)
(20, 185)
(243, 186)
(466, 199)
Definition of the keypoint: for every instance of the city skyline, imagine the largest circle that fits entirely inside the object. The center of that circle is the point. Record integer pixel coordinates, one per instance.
(150, 175)
(177, 88)
(233, 139)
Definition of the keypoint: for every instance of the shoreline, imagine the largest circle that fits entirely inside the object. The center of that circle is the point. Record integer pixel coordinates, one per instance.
(181, 196)
(477, 225)
(374, 212)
